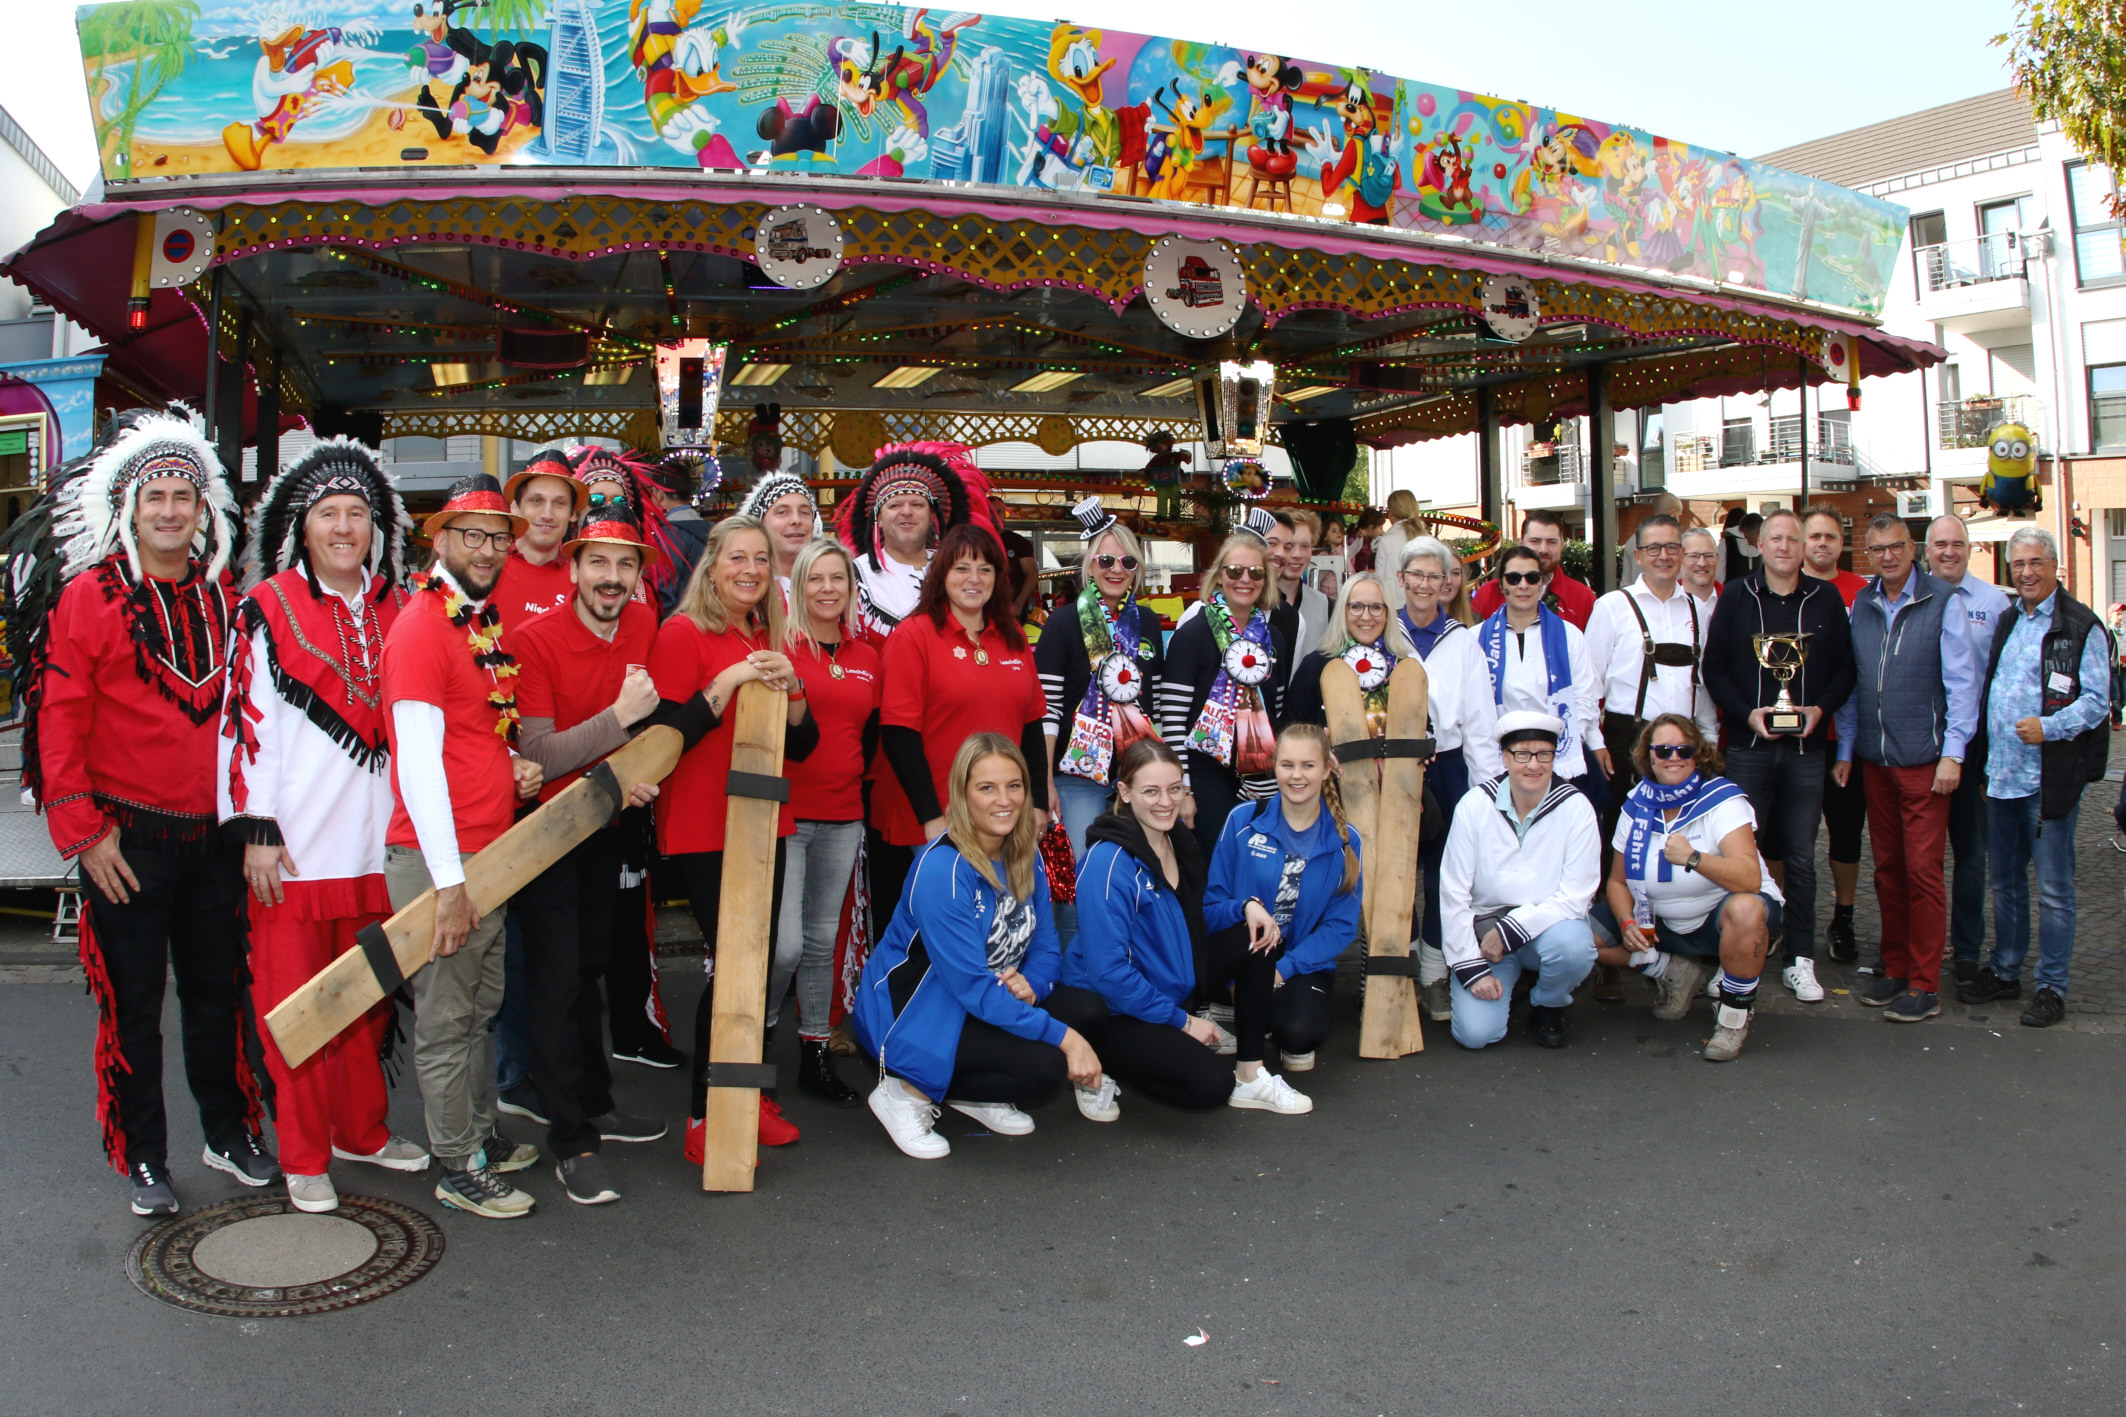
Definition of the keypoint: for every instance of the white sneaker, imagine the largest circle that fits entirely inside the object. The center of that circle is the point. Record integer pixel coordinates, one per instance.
(1727, 1040)
(1000, 1117)
(1299, 1062)
(397, 1154)
(1800, 976)
(1098, 1104)
(1267, 1092)
(908, 1120)
(1221, 1014)
(1712, 985)
(1228, 1043)
(313, 1194)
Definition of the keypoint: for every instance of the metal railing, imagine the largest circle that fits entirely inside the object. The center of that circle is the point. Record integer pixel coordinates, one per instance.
(1998, 256)
(1548, 464)
(1965, 424)
(1831, 441)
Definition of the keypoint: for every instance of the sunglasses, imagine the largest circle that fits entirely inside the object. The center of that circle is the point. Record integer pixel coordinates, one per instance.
(1670, 751)
(606, 499)
(1520, 577)
(1245, 573)
(1108, 563)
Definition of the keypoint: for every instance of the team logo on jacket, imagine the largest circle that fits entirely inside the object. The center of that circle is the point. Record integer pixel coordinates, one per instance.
(1261, 845)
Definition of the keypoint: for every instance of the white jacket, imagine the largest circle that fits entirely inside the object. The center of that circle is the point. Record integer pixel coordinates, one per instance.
(1458, 695)
(1544, 874)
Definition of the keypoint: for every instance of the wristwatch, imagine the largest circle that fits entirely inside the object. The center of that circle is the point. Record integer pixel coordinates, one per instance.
(1692, 863)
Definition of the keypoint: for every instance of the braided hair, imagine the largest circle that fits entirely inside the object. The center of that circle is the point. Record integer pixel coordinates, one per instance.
(1332, 795)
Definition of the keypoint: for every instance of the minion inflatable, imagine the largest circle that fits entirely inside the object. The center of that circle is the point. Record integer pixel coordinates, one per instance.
(2010, 485)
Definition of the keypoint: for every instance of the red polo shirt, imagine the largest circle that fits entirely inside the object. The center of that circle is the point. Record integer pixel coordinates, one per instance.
(1849, 585)
(1576, 599)
(428, 660)
(571, 675)
(692, 806)
(935, 685)
(525, 591)
(828, 785)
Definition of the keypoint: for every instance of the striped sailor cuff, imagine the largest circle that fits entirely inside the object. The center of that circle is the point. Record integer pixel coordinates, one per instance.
(1470, 971)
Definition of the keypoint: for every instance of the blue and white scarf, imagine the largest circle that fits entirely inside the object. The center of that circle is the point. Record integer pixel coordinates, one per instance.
(1557, 665)
(1691, 798)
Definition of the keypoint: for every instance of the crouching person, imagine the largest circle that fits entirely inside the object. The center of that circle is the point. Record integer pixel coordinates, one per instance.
(1522, 860)
(1688, 891)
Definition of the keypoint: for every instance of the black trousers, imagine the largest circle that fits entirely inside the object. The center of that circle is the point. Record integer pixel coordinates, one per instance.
(995, 1066)
(1296, 1014)
(1217, 790)
(888, 868)
(188, 919)
(1163, 1063)
(700, 874)
(1449, 779)
(630, 966)
(566, 914)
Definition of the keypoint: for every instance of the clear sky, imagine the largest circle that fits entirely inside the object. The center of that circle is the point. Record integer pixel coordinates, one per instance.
(1745, 75)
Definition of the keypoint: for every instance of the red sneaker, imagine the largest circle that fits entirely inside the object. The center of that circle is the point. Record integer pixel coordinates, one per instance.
(775, 1129)
(695, 1129)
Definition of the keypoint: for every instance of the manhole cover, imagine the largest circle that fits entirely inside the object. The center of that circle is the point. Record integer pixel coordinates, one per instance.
(262, 1258)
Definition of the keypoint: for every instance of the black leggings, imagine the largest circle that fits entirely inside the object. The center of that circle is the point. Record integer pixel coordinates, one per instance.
(995, 1066)
(1164, 1063)
(1217, 790)
(1296, 1015)
(700, 875)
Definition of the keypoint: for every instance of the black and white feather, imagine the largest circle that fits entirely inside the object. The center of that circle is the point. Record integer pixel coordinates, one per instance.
(335, 466)
(95, 511)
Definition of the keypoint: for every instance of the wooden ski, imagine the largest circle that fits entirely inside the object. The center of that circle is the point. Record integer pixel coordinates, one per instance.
(397, 949)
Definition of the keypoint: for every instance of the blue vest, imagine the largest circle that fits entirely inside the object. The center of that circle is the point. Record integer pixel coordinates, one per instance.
(1902, 702)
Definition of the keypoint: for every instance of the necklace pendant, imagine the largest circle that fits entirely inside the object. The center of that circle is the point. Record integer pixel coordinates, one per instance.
(836, 671)
(981, 656)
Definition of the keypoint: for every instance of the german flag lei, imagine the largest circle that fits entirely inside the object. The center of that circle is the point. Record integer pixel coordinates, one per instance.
(483, 631)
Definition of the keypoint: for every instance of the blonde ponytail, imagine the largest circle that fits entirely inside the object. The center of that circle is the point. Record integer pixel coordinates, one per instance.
(1332, 796)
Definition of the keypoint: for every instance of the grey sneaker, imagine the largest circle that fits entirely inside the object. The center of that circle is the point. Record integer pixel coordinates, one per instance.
(1733, 1031)
(506, 1155)
(1675, 989)
(521, 1101)
(397, 1154)
(620, 1126)
(587, 1180)
(313, 1194)
(153, 1195)
(1299, 1062)
(482, 1192)
(244, 1159)
(1438, 1000)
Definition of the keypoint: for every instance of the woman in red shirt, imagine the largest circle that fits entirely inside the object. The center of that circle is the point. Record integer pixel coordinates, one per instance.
(957, 666)
(722, 636)
(842, 676)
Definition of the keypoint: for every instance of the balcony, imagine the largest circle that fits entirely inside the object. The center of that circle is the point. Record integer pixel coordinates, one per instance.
(1977, 285)
(1733, 464)
(1966, 424)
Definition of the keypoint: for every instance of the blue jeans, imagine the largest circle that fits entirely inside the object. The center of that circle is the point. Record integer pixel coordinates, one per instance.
(1078, 801)
(512, 1048)
(2016, 839)
(1561, 957)
(1785, 788)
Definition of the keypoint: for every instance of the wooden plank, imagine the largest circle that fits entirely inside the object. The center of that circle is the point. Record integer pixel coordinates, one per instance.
(346, 989)
(731, 1134)
(1389, 1025)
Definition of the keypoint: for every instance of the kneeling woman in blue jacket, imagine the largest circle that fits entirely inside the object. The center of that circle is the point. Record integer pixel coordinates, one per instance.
(1141, 936)
(960, 1000)
(1287, 870)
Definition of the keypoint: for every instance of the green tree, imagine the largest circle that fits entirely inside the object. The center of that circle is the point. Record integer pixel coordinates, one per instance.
(155, 37)
(2069, 60)
(1358, 486)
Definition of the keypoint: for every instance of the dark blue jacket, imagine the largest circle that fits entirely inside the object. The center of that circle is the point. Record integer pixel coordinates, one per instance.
(932, 970)
(1249, 860)
(1137, 936)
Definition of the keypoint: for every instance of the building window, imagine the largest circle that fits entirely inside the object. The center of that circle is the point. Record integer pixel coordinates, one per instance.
(1930, 234)
(2099, 237)
(2107, 408)
(1738, 442)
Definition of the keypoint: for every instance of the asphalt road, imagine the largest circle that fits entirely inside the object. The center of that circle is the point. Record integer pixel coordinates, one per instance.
(1855, 1218)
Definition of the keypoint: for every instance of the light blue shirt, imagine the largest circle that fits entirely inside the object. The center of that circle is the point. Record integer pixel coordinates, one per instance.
(2013, 767)
(1960, 668)
(1985, 606)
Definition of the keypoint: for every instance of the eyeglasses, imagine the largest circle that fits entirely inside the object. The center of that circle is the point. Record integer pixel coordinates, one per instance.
(473, 539)
(1367, 607)
(1525, 756)
(1671, 751)
(1701, 555)
(1520, 577)
(1660, 548)
(1244, 573)
(1108, 563)
(1425, 577)
(1890, 548)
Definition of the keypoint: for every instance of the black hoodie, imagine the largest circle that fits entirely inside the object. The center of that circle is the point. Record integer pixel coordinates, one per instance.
(1125, 831)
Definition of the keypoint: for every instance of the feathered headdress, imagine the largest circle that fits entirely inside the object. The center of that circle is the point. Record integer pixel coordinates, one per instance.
(634, 473)
(96, 509)
(902, 469)
(335, 467)
(772, 489)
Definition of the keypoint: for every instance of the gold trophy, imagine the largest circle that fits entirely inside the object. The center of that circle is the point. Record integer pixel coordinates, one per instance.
(1783, 655)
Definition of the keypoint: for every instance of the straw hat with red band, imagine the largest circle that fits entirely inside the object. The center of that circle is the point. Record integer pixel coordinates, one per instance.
(615, 525)
(549, 462)
(477, 495)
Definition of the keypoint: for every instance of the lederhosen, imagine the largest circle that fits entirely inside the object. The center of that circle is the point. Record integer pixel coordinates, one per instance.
(1621, 731)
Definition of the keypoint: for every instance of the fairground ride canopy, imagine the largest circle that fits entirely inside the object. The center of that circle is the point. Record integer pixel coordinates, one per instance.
(403, 197)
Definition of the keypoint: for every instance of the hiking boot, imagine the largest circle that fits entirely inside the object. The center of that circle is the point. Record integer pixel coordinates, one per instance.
(1732, 1030)
(479, 1190)
(1098, 1104)
(1881, 994)
(1608, 985)
(817, 1077)
(1678, 986)
(244, 1159)
(314, 1195)
(1986, 987)
(586, 1180)
(1913, 1006)
(505, 1155)
(397, 1154)
(2046, 1009)
(153, 1195)
(1000, 1117)
(908, 1119)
